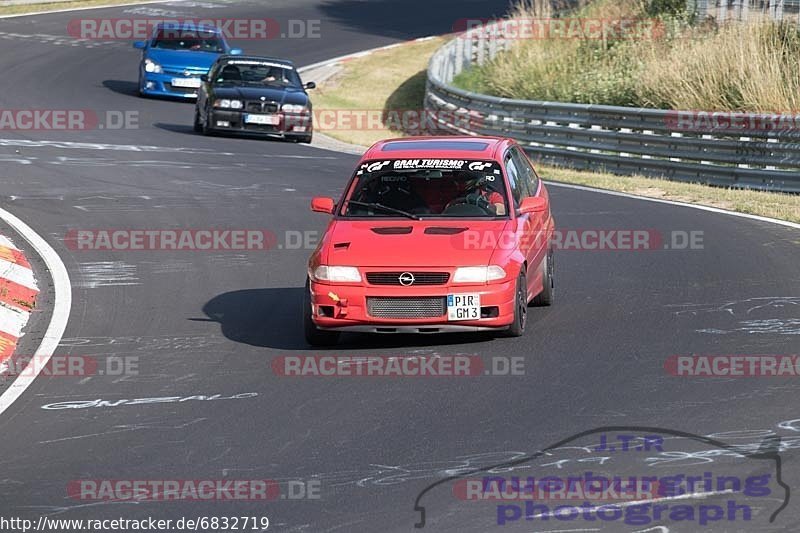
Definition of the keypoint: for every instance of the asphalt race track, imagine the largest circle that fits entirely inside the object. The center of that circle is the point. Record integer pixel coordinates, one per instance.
(210, 323)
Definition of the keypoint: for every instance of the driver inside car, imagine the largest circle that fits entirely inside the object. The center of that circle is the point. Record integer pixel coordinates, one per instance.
(480, 192)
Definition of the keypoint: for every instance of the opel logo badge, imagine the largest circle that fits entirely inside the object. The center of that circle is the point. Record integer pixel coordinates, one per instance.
(406, 279)
(187, 73)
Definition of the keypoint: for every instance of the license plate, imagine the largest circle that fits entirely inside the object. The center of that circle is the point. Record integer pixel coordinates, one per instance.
(464, 306)
(268, 120)
(190, 83)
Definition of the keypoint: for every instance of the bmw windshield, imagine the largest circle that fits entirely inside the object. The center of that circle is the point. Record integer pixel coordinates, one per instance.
(415, 188)
(253, 73)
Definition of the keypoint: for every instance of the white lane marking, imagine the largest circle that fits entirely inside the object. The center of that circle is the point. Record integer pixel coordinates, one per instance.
(18, 274)
(673, 202)
(107, 274)
(13, 320)
(61, 308)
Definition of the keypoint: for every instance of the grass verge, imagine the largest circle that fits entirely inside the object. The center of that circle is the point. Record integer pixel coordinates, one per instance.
(55, 6)
(382, 81)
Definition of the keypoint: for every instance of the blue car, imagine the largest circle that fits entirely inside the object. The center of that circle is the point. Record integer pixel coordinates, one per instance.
(176, 56)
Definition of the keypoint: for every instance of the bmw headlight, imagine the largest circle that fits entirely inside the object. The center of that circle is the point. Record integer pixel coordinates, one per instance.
(152, 66)
(228, 104)
(480, 274)
(341, 274)
(293, 108)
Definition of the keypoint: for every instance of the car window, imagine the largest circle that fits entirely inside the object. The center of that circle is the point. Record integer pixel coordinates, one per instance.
(193, 40)
(428, 188)
(519, 188)
(526, 170)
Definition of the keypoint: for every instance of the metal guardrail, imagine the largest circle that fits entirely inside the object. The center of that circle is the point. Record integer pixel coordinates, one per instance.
(752, 150)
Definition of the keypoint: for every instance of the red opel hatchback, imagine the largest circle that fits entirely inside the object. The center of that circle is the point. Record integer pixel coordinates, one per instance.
(432, 234)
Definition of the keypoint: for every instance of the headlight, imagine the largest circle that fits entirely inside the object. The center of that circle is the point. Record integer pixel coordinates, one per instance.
(478, 274)
(293, 108)
(228, 104)
(151, 66)
(342, 274)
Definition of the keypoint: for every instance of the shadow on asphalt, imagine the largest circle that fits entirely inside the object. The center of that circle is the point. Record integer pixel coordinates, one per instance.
(403, 19)
(128, 88)
(272, 318)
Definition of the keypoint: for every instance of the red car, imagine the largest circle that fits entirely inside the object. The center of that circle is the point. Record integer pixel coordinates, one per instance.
(432, 234)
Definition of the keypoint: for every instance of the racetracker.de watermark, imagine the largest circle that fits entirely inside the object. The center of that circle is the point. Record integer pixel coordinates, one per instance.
(149, 490)
(576, 28)
(396, 366)
(171, 240)
(242, 29)
(582, 240)
(408, 120)
(67, 120)
(69, 366)
(731, 121)
(733, 366)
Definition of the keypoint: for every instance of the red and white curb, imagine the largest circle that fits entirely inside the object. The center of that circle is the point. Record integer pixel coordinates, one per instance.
(18, 292)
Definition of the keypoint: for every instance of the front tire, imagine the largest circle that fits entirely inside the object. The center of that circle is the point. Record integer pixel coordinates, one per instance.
(198, 126)
(315, 336)
(517, 328)
(546, 297)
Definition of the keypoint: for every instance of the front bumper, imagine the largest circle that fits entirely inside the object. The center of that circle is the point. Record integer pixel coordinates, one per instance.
(344, 308)
(289, 126)
(153, 84)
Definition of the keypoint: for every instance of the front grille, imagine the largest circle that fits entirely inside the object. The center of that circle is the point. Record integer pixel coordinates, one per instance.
(182, 90)
(420, 278)
(193, 71)
(389, 307)
(261, 107)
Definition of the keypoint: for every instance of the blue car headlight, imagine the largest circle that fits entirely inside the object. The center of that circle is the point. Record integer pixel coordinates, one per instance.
(152, 66)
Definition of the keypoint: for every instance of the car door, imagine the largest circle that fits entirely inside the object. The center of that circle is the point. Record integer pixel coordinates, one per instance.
(204, 94)
(531, 225)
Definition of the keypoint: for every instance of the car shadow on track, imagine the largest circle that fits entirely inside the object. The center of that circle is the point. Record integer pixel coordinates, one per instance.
(272, 318)
(128, 88)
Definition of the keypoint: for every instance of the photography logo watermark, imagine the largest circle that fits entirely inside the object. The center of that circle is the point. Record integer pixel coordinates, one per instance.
(66, 120)
(731, 121)
(69, 366)
(593, 29)
(396, 366)
(668, 490)
(127, 29)
(165, 490)
(733, 366)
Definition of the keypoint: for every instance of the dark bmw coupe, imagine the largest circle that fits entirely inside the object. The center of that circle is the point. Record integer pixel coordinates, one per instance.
(254, 95)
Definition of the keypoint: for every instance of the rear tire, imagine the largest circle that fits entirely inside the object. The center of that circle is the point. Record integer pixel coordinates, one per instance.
(547, 296)
(517, 328)
(315, 336)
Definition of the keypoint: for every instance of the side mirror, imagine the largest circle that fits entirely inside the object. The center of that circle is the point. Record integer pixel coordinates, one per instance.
(140, 45)
(204, 77)
(310, 85)
(236, 51)
(322, 204)
(533, 204)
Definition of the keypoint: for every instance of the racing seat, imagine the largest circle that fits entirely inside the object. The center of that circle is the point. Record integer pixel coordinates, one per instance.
(230, 73)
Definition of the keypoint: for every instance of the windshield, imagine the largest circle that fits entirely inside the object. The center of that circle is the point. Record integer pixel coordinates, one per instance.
(175, 39)
(257, 73)
(427, 188)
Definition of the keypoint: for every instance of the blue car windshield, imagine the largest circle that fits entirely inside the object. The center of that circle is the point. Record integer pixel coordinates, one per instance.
(194, 40)
(248, 72)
